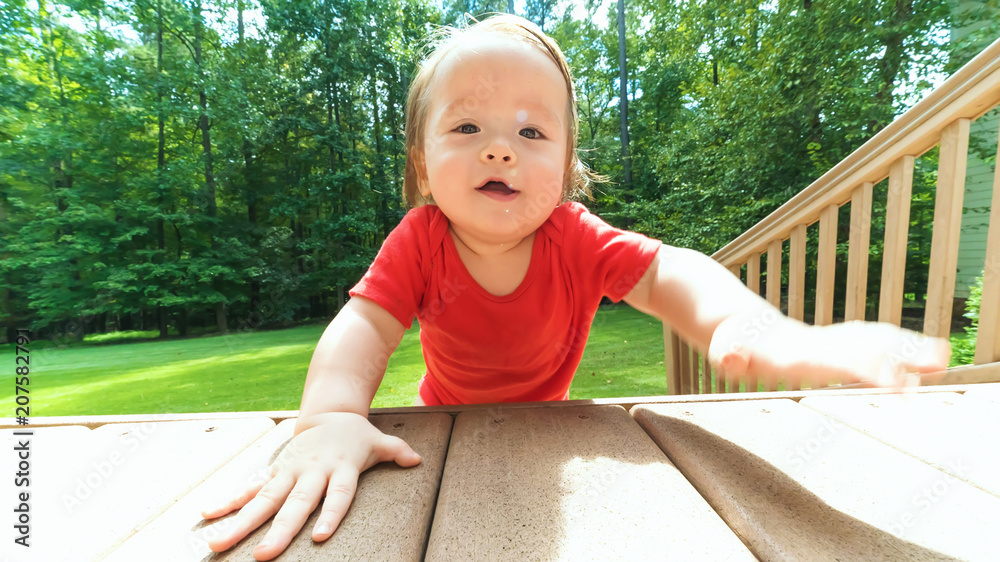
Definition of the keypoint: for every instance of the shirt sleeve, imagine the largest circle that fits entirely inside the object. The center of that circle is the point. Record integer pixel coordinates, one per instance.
(396, 280)
(609, 259)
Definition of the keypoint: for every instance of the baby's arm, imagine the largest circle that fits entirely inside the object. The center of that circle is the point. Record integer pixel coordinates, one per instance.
(333, 441)
(744, 335)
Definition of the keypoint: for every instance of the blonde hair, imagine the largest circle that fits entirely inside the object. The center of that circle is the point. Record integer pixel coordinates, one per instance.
(577, 177)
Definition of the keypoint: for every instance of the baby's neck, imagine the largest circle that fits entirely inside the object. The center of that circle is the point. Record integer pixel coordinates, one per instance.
(498, 269)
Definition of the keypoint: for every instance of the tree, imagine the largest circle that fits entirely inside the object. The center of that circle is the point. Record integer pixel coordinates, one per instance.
(148, 183)
(623, 94)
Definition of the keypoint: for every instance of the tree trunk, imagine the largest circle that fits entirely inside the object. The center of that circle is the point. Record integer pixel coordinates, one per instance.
(623, 94)
(206, 147)
(251, 177)
(161, 312)
(6, 295)
(392, 128)
(380, 182)
(182, 323)
(892, 60)
(206, 142)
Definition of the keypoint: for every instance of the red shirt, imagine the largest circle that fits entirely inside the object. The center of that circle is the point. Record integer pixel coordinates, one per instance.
(524, 346)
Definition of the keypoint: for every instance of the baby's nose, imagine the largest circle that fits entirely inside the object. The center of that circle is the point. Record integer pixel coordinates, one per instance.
(498, 151)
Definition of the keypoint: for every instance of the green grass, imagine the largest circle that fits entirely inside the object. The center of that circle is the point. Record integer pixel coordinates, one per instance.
(266, 370)
(624, 356)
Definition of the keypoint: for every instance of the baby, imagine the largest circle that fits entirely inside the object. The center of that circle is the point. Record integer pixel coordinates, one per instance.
(505, 274)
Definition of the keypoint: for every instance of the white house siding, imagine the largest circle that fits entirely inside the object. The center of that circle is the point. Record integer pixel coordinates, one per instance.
(977, 202)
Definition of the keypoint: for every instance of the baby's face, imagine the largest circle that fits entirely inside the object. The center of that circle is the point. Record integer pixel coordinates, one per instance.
(498, 111)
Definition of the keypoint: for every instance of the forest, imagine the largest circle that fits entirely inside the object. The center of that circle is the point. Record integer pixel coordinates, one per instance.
(222, 165)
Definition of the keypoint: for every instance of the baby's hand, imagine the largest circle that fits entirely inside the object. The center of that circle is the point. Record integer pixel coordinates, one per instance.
(871, 353)
(326, 458)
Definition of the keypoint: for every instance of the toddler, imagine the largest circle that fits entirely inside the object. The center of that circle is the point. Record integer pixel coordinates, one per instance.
(505, 274)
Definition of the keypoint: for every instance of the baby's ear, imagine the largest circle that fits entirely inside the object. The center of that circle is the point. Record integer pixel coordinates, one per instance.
(418, 164)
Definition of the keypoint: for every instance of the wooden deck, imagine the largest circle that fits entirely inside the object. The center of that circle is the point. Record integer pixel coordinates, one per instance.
(810, 475)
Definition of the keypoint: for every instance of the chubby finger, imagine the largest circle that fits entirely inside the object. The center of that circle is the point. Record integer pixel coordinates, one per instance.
(929, 354)
(339, 495)
(392, 448)
(914, 357)
(733, 362)
(254, 513)
(299, 505)
(222, 507)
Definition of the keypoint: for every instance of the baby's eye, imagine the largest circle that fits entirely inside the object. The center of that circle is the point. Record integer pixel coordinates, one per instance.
(463, 129)
(534, 133)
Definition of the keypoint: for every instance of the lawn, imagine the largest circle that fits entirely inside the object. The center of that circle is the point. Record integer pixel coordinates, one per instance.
(266, 370)
(262, 371)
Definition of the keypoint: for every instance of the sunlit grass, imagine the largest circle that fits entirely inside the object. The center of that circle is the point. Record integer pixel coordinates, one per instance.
(266, 370)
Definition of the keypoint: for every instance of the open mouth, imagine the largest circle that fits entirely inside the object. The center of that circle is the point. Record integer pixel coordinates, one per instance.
(497, 187)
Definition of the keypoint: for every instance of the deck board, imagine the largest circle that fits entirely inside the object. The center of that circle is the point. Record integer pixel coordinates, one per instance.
(391, 513)
(568, 483)
(986, 391)
(798, 485)
(96, 476)
(945, 430)
(177, 533)
(390, 502)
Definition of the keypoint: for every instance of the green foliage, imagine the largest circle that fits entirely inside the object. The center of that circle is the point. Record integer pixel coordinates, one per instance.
(964, 349)
(273, 213)
(744, 104)
(278, 206)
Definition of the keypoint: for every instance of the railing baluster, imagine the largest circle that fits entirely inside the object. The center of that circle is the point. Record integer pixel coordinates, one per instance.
(693, 369)
(720, 384)
(774, 273)
(897, 228)
(773, 285)
(797, 273)
(753, 283)
(947, 227)
(826, 265)
(753, 272)
(685, 367)
(671, 359)
(857, 253)
(735, 270)
(706, 376)
(797, 278)
(988, 339)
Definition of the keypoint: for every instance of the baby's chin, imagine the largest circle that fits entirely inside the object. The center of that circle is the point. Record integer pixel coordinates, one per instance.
(507, 231)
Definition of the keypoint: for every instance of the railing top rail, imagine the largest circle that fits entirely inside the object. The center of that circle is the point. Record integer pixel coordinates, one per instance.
(969, 93)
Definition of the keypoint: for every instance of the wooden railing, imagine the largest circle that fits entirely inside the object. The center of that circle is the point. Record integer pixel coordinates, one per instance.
(941, 119)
